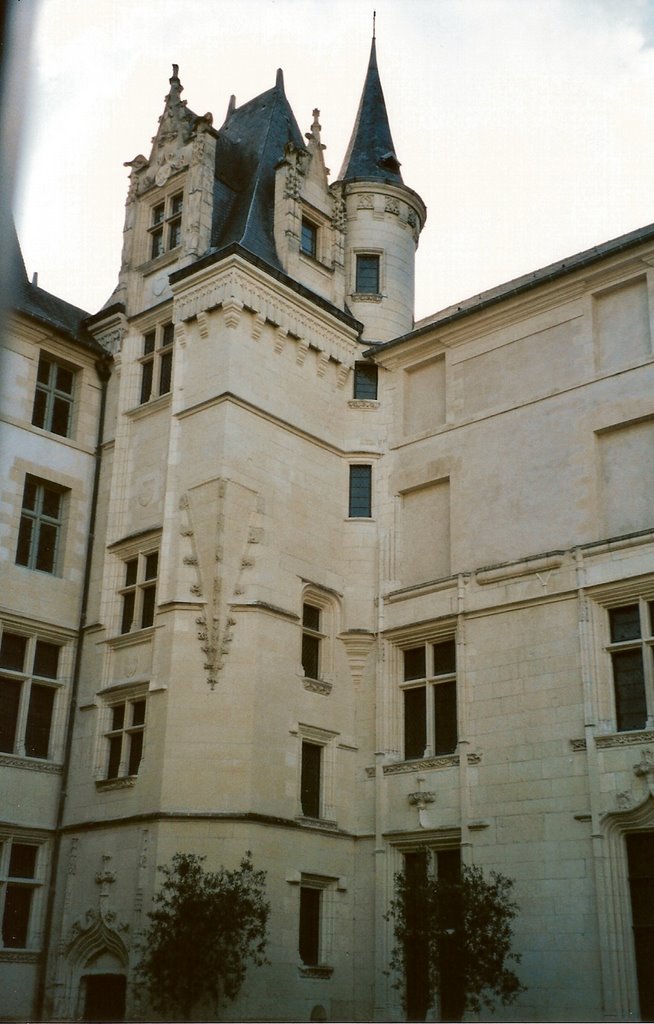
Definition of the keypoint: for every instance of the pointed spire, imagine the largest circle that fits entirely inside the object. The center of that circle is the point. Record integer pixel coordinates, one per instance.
(371, 153)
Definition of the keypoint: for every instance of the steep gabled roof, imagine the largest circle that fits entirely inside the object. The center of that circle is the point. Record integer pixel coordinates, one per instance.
(371, 153)
(250, 144)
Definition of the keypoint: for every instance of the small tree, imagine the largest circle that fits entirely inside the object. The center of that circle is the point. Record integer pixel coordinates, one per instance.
(458, 932)
(204, 929)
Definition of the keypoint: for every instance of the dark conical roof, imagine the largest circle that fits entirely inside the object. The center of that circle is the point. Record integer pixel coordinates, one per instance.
(371, 153)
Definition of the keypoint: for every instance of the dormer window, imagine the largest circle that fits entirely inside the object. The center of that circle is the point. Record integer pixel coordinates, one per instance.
(309, 238)
(367, 274)
(166, 225)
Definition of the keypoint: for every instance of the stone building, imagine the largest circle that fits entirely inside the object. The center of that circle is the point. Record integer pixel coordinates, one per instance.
(356, 587)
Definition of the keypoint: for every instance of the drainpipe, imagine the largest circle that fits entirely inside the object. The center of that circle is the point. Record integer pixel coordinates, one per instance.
(103, 370)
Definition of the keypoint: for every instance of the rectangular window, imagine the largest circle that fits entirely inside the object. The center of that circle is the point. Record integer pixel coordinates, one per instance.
(311, 641)
(632, 633)
(53, 397)
(139, 592)
(365, 380)
(40, 525)
(367, 274)
(310, 779)
(28, 673)
(360, 503)
(309, 238)
(18, 865)
(125, 738)
(166, 225)
(309, 944)
(157, 362)
(430, 711)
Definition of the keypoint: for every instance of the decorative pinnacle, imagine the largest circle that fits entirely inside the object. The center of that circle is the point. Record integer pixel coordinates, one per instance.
(374, 18)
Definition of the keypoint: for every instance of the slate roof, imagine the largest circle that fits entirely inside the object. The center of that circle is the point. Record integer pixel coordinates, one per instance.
(371, 153)
(249, 146)
(40, 305)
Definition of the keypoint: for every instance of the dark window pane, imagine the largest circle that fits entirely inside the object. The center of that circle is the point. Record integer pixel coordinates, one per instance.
(51, 503)
(151, 565)
(308, 238)
(415, 722)
(365, 380)
(149, 341)
(311, 617)
(445, 731)
(415, 947)
(135, 753)
(310, 779)
(115, 747)
(39, 411)
(309, 925)
(174, 234)
(167, 335)
(310, 656)
(165, 372)
(9, 704)
(628, 678)
(146, 382)
(127, 616)
(43, 372)
(29, 494)
(158, 213)
(625, 623)
(444, 658)
(176, 204)
(12, 651)
(360, 491)
(39, 721)
(46, 659)
(147, 608)
(414, 663)
(60, 416)
(367, 279)
(157, 243)
(117, 716)
(24, 541)
(15, 921)
(64, 380)
(47, 545)
(131, 572)
(22, 862)
(138, 712)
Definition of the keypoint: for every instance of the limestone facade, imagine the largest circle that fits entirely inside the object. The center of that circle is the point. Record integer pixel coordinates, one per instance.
(357, 587)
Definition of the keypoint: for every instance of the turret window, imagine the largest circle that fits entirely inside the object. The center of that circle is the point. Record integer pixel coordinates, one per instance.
(166, 225)
(367, 274)
(365, 381)
(157, 362)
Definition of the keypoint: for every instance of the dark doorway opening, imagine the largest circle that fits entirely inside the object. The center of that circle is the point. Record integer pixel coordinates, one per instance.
(104, 997)
(640, 853)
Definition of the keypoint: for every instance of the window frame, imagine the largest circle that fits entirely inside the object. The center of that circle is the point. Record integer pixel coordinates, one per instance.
(327, 605)
(360, 272)
(644, 643)
(53, 395)
(135, 588)
(19, 882)
(365, 382)
(28, 678)
(360, 498)
(157, 362)
(313, 229)
(125, 737)
(165, 224)
(430, 682)
(39, 521)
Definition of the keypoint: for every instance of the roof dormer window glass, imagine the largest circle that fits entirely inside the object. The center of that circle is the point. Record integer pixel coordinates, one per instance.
(166, 225)
(309, 238)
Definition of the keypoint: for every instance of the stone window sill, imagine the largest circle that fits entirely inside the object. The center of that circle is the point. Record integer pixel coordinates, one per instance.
(315, 971)
(103, 785)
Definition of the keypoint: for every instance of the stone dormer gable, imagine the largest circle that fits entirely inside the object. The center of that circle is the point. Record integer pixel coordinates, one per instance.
(169, 202)
(309, 218)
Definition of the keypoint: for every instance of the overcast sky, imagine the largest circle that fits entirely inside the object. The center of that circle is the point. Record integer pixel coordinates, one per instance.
(525, 125)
